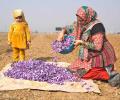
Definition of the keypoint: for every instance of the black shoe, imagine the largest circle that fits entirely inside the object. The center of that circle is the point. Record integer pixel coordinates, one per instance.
(112, 74)
(115, 80)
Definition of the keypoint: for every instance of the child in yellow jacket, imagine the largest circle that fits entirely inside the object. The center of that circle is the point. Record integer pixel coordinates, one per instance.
(19, 35)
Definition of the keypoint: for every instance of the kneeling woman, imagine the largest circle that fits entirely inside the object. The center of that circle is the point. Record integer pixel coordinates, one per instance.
(96, 55)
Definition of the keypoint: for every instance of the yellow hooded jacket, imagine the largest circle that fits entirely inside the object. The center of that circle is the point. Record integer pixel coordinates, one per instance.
(19, 33)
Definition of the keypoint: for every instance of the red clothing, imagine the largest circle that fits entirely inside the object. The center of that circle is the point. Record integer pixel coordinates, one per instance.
(96, 73)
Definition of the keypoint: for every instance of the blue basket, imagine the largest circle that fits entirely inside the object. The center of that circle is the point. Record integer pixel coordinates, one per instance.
(71, 47)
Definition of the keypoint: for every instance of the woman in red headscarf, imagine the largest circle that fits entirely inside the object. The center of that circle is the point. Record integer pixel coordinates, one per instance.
(96, 55)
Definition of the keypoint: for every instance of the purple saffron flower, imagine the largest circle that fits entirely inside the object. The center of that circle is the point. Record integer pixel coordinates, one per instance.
(65, 46)
(38, 70)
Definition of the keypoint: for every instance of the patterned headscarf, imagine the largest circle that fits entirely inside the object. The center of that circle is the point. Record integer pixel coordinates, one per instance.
(87, 14)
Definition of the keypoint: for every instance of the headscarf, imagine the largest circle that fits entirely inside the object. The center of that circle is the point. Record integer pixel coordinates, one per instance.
(87, 14)
(19, 12)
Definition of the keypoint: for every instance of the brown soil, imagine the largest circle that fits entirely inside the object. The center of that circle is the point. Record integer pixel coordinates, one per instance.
(41, 49)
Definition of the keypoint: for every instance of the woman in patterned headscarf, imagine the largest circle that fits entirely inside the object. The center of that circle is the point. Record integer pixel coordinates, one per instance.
(96, 55)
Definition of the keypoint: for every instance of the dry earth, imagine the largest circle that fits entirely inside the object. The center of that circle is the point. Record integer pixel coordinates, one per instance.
(41, 49)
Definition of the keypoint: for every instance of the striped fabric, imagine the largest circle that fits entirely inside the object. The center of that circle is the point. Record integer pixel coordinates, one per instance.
(108, 54)
(102, 58)
(105, 57)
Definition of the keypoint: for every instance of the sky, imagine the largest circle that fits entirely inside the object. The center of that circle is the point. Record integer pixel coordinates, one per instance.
(45, 15)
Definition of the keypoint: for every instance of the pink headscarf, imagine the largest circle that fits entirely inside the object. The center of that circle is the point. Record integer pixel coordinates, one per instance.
(87, 14)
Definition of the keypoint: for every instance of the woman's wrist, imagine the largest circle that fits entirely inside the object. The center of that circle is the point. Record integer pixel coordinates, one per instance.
(85, 43)
(64, 31)
(89, 45)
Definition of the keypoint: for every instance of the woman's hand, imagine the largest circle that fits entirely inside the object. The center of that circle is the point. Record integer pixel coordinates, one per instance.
(78, 42)
(61, 35)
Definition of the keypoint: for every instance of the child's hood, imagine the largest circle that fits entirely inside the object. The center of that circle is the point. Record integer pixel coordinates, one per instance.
(19, 12)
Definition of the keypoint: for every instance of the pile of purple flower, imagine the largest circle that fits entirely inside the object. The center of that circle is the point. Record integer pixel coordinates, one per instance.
(38, 70)
(64, 46)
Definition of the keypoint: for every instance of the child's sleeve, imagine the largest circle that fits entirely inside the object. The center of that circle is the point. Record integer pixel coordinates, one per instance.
(28, 33)
(10, 33)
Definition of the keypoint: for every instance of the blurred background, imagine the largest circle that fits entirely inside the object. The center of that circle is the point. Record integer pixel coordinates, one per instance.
(46, 15)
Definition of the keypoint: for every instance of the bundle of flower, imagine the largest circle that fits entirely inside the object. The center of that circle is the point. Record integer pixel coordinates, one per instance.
(38, 70)
(65, 46)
